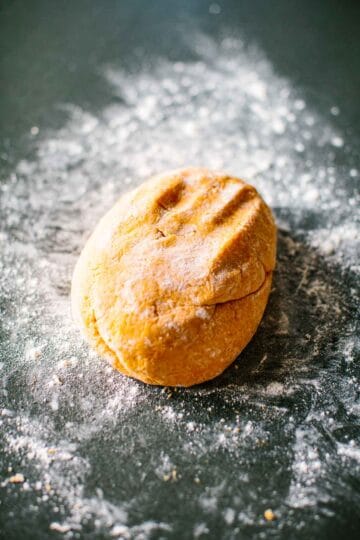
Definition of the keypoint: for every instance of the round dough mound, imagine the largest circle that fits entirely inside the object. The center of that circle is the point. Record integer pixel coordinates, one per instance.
(174, 280)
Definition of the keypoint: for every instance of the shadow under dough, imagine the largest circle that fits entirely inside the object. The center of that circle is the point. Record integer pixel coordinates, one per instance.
(309, 310)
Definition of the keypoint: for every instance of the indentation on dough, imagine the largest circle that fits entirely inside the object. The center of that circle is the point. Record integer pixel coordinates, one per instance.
(231, 199)
(156, 311)
(159, 233)
(171, 195)
(209, 206)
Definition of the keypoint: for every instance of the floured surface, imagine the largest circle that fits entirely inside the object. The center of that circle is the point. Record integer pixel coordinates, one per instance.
(102, 454)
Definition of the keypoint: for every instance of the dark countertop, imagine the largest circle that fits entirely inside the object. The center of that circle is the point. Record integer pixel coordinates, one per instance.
(94, 98)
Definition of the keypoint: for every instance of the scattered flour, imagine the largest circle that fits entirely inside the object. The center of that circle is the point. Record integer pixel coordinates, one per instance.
(68, 419)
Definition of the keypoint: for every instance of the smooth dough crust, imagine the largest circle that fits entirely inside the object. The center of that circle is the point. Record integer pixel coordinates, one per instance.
(173, 282)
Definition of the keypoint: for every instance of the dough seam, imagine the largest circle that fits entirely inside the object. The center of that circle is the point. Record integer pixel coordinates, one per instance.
(116, 358)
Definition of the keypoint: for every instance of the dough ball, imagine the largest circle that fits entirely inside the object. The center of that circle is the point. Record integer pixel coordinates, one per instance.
(173, 282)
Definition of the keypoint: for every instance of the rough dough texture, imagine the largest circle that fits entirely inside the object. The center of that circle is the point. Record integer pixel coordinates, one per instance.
(174, 280)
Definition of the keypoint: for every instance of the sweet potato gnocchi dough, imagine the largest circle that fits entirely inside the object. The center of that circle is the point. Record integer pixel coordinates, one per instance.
(173, 282)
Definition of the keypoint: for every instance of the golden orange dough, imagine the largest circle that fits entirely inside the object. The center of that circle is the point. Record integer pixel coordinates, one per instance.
(174, 280)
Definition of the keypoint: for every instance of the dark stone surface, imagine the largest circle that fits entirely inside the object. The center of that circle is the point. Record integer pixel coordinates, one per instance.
(280, 428)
